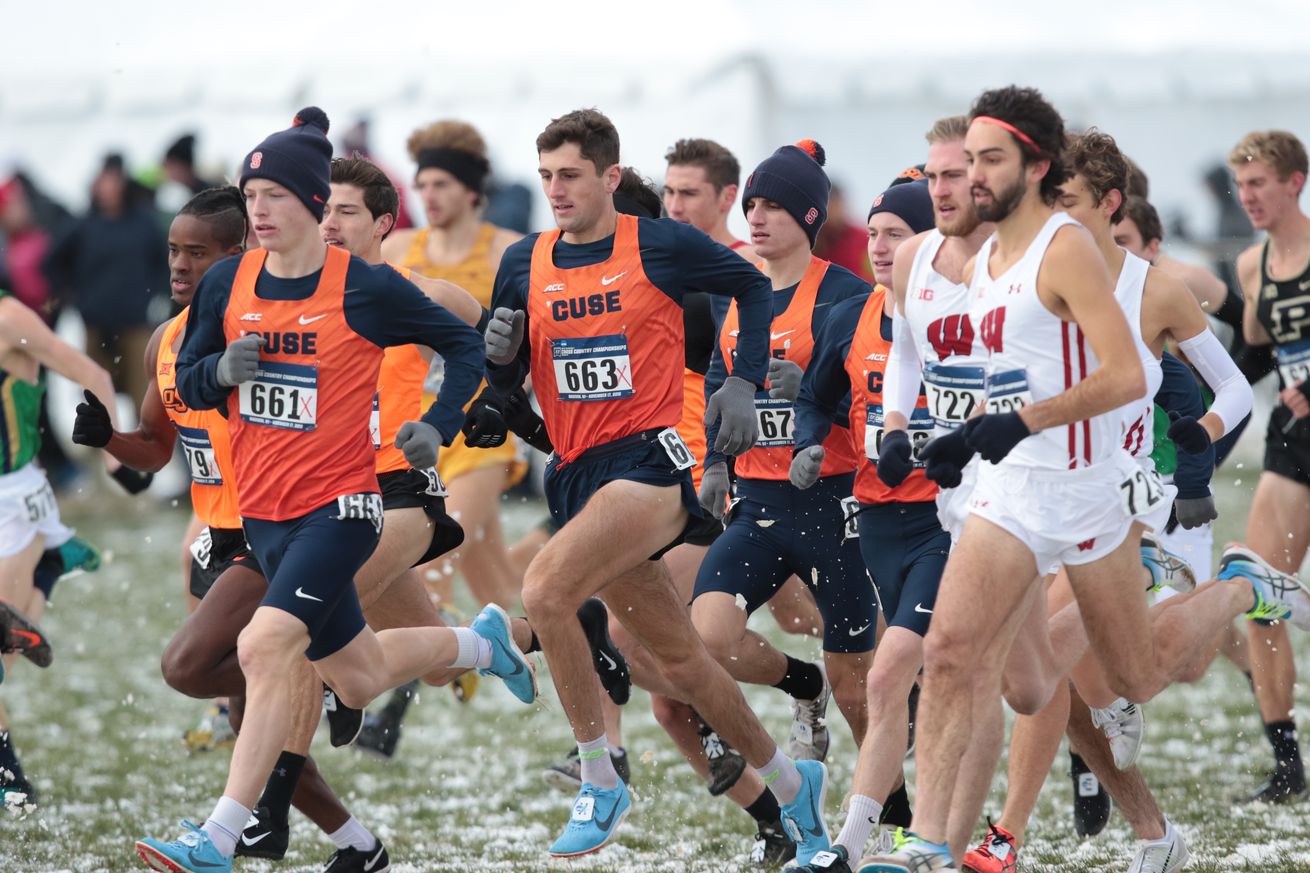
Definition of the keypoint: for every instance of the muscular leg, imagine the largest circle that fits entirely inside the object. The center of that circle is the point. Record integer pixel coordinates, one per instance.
(746, 656)
(847, 674)
(406, 534)
(201, 658)
(16, 573)
(795, 611)
(482, 560)
(1127, 787)
(1034, 743)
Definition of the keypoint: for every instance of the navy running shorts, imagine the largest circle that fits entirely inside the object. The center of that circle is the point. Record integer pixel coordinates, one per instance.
(422, 489)
(905, 549)
(225, 547)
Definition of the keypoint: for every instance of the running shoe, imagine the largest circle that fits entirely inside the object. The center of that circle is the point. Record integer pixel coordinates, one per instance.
(17, 634)
(1091, 802)
(772, 848)
(344, 722)
(507, 662)
(567, 774)
(610, 664)
(726, 763)
(78, 554)
(1165, 567)
(809, 725)
(834, 860)
(17, 794)
(1123, 724)
(997, 853)
(1278, 595)
(381, 732)
(803, 817)
(352, 860)
(597, 814)
(1166, 855)
(912, 854)
(1283, 785)
(193, 852)
(263, 837)
(213, 731)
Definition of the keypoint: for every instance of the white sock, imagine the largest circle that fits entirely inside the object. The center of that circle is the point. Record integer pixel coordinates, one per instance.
(782, 777)
(597, 768)
(225, 824)
(474, 651)
(353, 835)
(861, 819)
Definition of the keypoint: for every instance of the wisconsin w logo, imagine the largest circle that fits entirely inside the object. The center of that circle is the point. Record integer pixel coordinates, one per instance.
(951, 335)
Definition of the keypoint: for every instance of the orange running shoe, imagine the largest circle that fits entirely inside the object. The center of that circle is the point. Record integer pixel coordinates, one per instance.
(997, 853)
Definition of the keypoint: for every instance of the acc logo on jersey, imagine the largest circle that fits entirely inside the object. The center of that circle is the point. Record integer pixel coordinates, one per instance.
(553, 287)
(252, 316)
(812, 216)
(256, 159)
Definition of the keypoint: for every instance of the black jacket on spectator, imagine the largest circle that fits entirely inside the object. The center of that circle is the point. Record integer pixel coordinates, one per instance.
(110, 268)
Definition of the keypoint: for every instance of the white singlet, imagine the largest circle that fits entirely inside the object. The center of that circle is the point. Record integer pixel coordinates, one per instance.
(1138, 416)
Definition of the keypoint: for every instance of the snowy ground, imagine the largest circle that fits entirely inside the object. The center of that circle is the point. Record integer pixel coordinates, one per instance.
(99, 732)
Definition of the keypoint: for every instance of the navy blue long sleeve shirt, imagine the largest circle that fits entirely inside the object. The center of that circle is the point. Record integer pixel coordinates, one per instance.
(825, 397)
(380, 305)
(1179, 392)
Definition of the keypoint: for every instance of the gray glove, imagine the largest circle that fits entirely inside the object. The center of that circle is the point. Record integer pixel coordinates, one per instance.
(1195, 511)
(420, 443)
(240, 361)
(714, 489)
(733, 406)
(805, 467)
(504, 334)
(784, 379)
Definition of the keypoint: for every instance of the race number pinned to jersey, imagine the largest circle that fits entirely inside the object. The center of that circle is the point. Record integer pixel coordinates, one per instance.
(375, 421)
(777, 421)
(920, 431)
(40, 504)
(850, 507)
(674, 446)
(1294, 363)
(366, 506)
(1141, 492)
(592, 368)
(281, 395)
(1007, 391)
(199, 451)
(436, 487)
(202, 548)
(954, 391)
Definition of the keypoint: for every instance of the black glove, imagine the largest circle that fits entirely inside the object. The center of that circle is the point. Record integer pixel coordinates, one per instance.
(895, 458)
(995, 434)
(1188, 434)
(484, 426)
(525, 423)
(946, 457)
(92, 427)
(133, 481)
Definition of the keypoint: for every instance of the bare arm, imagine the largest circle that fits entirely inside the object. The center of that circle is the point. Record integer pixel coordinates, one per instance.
(22, 330)
(1074, 283)
(503, 239)
(1248, 276)
(150, 447)
(1207, 288)
(451, 296)
(396, 245)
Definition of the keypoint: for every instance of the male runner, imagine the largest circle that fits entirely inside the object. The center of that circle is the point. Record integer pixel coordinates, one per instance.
(1270, 169)
(302, 403)
(592, 311)
(901, 539)
(1056, 487)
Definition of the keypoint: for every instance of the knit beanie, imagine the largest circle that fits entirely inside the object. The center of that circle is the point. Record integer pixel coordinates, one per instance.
(298, 158)
(793, 177)
(908, 201)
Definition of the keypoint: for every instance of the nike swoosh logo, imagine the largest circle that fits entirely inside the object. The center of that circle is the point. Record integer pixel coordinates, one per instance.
(373, 862)
(249, 842)
(604, 823)
(781, 335)
(918, 607)
(518, 668)
(312, 319)
(609, 661)
(610, 280)
(300, 592)
(856, 631)
(32, 639)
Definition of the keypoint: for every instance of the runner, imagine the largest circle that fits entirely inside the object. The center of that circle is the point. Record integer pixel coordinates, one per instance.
(618, 482)
(1048, 429)
(313, 538)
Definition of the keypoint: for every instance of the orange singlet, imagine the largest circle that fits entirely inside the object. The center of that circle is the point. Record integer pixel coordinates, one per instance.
(792, 340)
(865, 365)
(692, 424)
(300, 427)
(204, 438)
(399, 398)
(606, 344)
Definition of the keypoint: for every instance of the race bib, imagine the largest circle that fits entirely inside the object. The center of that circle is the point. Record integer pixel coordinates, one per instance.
(592, 368)
(436, 488)
(954, 391)
(281, 395)
(366, 506)
(1294, 363)
(850, 507)
(199, 452)
(776, 419)
(1141, 492)
(203, 547)
(40, 503)
(375, 422)
(1008, 391)
(920, 431)
(674, 446)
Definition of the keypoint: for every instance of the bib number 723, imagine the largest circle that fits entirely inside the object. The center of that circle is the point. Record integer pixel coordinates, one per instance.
(1141, 492)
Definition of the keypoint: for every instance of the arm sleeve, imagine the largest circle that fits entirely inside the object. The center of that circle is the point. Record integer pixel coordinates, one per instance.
(825, 390)
(205, 342)
(901, 385)
(714, 376)
(1232, 393)
(511, 292)
(1180, 393)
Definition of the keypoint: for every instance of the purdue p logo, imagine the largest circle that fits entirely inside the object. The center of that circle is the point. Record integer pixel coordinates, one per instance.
(256, 159)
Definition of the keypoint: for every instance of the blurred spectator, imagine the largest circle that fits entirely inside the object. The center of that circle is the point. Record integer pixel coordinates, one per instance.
(843, 241)
(25, 248)
(110, 264)
(178, 180)
(355, 142)
(1233, 223)
(509, 205)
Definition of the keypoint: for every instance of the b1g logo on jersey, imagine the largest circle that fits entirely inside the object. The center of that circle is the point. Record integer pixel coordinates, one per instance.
(591, 304)
(1290, 318)
(951, 335)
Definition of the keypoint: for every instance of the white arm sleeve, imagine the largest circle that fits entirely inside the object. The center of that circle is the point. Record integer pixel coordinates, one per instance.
(900, 384)
(1232, 393)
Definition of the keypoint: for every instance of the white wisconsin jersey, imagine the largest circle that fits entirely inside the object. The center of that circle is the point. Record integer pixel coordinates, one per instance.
(1138, 416)
(937, 311)
(1032, 355)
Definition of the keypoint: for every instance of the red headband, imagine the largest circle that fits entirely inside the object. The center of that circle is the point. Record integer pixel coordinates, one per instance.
(1019, 134)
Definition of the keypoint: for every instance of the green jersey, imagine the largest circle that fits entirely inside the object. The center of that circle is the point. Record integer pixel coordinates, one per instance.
(20, 431)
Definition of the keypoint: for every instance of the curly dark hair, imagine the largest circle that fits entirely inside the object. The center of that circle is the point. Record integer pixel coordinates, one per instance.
(640, 191)
(1027, 110)
(1095, 156)
(224, 209)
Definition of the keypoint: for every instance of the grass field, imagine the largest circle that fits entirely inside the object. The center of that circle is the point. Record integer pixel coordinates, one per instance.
(99, 733)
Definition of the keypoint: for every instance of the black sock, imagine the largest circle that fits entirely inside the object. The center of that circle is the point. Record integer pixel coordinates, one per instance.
(535, 645)
(803, 680)
(1287, 753)
(401, 699)
(9, 761)
(281, 785)
(896, 811)
(1250, 680)
(765, 809)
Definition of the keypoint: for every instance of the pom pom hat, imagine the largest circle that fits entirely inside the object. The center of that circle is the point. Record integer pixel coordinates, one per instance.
(298, 158)
(793, 177)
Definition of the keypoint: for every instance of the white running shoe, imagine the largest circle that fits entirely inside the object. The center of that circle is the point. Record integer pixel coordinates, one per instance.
(1165, 855)
(809, 725)
(1165, 567)
(1278, 595)
(1123, 724)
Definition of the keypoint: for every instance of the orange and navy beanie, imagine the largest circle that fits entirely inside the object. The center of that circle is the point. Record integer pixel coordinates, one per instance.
(298, 158)
(793, 177)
